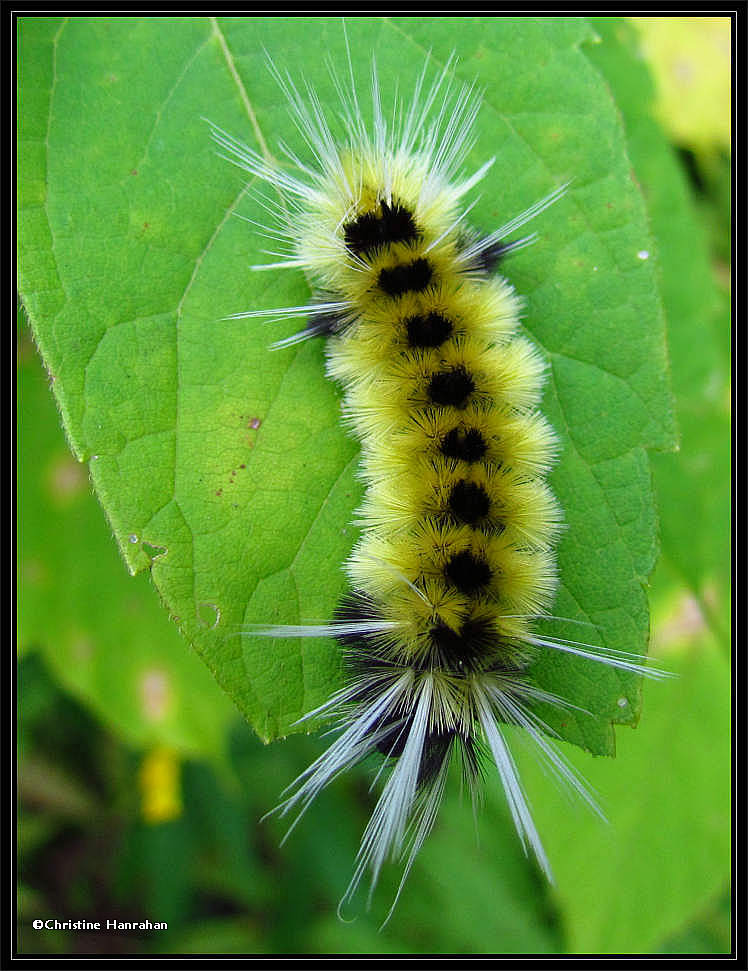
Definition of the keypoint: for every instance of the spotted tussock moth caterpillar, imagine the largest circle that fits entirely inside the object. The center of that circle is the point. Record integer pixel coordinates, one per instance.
(455, 561)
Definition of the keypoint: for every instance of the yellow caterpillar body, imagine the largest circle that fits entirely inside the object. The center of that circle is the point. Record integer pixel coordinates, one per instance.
(455, 558)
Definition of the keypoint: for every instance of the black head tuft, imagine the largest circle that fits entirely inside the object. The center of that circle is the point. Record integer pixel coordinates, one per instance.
(371, 230)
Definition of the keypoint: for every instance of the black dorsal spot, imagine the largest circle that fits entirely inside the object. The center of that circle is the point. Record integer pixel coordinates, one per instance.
(371, 230)
(469, 502)
(464, 443)
(467, 572)
(400, 279)
(452, 387)
(464, 648)
(428, 330)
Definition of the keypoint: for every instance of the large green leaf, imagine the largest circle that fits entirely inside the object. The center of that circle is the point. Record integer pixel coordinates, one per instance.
(223, 467)
(101, 632)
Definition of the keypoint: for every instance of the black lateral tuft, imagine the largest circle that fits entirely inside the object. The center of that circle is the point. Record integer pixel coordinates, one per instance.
(370, 230)
(322, 325)
(400, 279)
(355, 606)
(467, 572)
(428, 330)
(435, 750)
(489, 256)
(469, 502)
(436, 747)
(452, 387)
(393, 742)
(464, 443)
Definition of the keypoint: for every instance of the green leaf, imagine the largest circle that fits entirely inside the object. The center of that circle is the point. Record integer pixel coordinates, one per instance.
(623, 886)
(231, 460)
(103, 634)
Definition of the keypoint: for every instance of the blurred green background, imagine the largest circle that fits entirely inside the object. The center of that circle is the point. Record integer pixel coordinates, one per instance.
(141, 789)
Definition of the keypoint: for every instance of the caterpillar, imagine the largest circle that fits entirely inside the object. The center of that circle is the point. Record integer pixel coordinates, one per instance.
(458, 526)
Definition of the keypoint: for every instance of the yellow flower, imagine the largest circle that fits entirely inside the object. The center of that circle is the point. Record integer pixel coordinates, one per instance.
(159, 785)
(690, 60)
